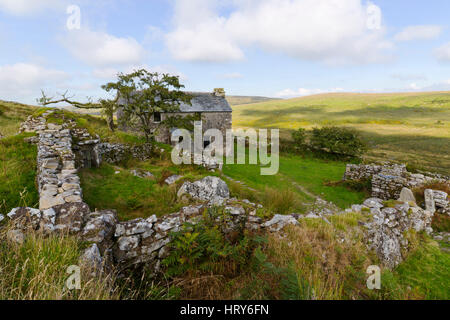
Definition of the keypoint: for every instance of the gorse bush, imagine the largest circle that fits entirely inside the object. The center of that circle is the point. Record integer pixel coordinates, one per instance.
(337, 140)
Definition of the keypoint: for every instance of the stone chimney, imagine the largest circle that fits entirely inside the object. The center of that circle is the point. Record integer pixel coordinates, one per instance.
(219, 92)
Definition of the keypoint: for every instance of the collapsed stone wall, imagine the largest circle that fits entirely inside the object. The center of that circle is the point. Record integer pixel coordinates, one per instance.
(387, 233)
(388, 180)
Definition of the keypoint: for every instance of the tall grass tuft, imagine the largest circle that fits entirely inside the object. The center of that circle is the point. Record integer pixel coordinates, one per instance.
(280, 201)
(37, 270)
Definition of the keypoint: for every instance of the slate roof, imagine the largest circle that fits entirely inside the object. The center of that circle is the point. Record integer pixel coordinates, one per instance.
(205, 102)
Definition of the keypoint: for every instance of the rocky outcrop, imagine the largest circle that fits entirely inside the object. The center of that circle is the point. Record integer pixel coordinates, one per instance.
(278, 222)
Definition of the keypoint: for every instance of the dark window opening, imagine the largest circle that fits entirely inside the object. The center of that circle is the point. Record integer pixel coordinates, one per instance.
(157, 117)
(180, 139)
(206, 143)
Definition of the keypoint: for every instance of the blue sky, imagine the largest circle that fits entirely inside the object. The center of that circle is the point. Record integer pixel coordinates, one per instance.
(282, 48)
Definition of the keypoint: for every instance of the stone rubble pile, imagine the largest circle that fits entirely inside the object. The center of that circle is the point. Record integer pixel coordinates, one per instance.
(211, 189)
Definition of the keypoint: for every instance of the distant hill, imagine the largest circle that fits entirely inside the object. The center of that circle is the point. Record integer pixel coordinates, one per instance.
(238, 100)
(410, 127)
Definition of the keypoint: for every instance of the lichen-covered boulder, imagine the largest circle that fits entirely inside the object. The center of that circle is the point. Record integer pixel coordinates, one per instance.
(406, 195)
(100, 228)
(279, 221)
(92, 259)
(376, 203)
(172, 179)
(25, 218)
(211, 189)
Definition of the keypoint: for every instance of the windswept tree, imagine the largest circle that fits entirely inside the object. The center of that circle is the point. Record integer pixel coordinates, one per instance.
(138, 95)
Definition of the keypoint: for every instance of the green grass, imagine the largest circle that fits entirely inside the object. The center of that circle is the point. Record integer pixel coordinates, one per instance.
(407, 127)
(12, 114)
(303, 175)
(17, 173)
(424, 275)
(132, 196)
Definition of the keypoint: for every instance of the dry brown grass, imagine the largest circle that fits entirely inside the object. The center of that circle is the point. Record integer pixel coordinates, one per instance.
(332, 268)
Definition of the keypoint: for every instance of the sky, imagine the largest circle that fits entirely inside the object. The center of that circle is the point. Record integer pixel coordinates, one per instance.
(274, 48)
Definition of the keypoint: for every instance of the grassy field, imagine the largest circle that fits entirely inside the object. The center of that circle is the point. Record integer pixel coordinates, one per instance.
(406, 127)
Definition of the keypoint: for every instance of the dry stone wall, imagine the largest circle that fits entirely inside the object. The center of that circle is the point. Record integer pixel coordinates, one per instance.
(388, 180)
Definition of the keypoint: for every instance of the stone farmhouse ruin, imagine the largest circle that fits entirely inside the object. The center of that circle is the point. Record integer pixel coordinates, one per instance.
(122, 245)
(211, 108)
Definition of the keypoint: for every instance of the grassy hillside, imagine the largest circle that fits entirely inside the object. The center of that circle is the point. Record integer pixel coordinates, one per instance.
(408, 127)
(12, 114)
(238, 100)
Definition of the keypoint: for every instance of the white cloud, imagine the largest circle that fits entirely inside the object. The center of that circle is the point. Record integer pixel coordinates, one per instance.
(423, 32)
(27, 7)
(289, 93)
(331, 31)
(408, 76)
(24, 80)
(111, 73)
(200, 34)
(443, 53)
(232, 75)
(100, 49)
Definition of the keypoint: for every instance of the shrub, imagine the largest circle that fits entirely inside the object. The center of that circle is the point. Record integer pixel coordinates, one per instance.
(299, 137)
(338, 141)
